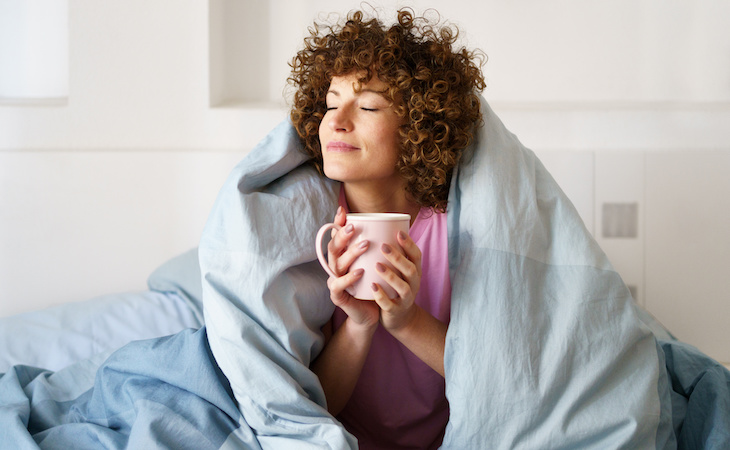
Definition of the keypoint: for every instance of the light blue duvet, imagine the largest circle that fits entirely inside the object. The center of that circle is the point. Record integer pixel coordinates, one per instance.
(545, 348)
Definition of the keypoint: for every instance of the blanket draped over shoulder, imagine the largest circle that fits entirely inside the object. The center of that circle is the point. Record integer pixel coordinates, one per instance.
(545, 348)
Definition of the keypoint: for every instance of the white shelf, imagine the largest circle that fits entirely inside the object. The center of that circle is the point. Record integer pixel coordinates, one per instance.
(31, 102)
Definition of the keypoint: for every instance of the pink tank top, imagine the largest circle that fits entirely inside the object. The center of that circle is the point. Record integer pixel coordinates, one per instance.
(399, 401)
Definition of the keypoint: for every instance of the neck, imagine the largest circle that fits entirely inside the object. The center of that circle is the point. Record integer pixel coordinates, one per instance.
(372, 199)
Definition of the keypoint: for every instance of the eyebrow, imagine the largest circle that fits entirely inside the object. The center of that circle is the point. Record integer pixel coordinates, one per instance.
(337, 93)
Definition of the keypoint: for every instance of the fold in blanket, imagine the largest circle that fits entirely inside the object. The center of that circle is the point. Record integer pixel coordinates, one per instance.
(264, 295)
(544, 348)
(159, 393)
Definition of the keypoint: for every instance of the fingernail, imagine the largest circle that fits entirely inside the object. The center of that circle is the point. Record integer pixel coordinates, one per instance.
(379, 267)
(349, 228)
(363, 244)
(385, 248)
(358, 272)
(339, 210)
(401, 236)
(374, 287)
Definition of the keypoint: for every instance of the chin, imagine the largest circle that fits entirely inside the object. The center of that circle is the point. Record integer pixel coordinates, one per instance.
(337, 174)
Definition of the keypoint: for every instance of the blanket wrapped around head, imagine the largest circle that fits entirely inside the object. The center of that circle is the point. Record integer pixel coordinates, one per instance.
(544, 348)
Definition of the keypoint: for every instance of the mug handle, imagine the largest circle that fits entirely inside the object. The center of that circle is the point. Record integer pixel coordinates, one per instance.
(320, 255)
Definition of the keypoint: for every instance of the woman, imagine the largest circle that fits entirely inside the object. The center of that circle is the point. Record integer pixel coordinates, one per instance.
(387, 111)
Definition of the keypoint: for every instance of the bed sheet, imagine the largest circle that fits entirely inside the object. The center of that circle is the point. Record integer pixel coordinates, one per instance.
(56, 337)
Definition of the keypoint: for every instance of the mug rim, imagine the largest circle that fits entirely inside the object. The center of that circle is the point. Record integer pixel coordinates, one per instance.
(379, 216)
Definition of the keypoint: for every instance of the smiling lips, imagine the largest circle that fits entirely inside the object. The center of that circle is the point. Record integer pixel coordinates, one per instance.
(342, 147)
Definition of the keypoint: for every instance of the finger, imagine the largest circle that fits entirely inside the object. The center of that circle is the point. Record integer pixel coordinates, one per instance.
(342, 238)
(341, 216)
(340, 219)
(382, 299)
(338, 286)
(353, 252)
(337, 247)
(410, 269)
(401, 286)
(338, 244)
(411, 250)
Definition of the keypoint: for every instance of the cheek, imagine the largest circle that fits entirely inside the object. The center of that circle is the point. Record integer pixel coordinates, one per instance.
(322, 130)
(392, 141)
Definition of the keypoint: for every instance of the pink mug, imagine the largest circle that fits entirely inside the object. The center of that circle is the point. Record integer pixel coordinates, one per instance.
(378, 229)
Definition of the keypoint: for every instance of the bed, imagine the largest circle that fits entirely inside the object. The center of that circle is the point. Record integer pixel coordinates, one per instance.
(216, 353)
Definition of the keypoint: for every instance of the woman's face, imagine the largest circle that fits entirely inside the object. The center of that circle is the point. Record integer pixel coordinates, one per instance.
(359, 133)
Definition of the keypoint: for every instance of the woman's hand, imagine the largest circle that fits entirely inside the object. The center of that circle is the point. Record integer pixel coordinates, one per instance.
(340, 363)
(340, 256)
(405, 280)
(413, 326)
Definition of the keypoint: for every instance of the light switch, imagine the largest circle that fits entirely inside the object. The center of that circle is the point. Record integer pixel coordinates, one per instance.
(620, 220)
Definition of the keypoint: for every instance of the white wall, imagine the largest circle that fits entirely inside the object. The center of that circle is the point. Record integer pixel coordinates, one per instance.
(625, 101)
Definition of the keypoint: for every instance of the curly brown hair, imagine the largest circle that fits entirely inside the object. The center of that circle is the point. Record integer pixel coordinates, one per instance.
(431, 84)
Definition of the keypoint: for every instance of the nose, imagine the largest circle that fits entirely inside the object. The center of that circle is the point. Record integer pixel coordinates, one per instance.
(340, 120)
